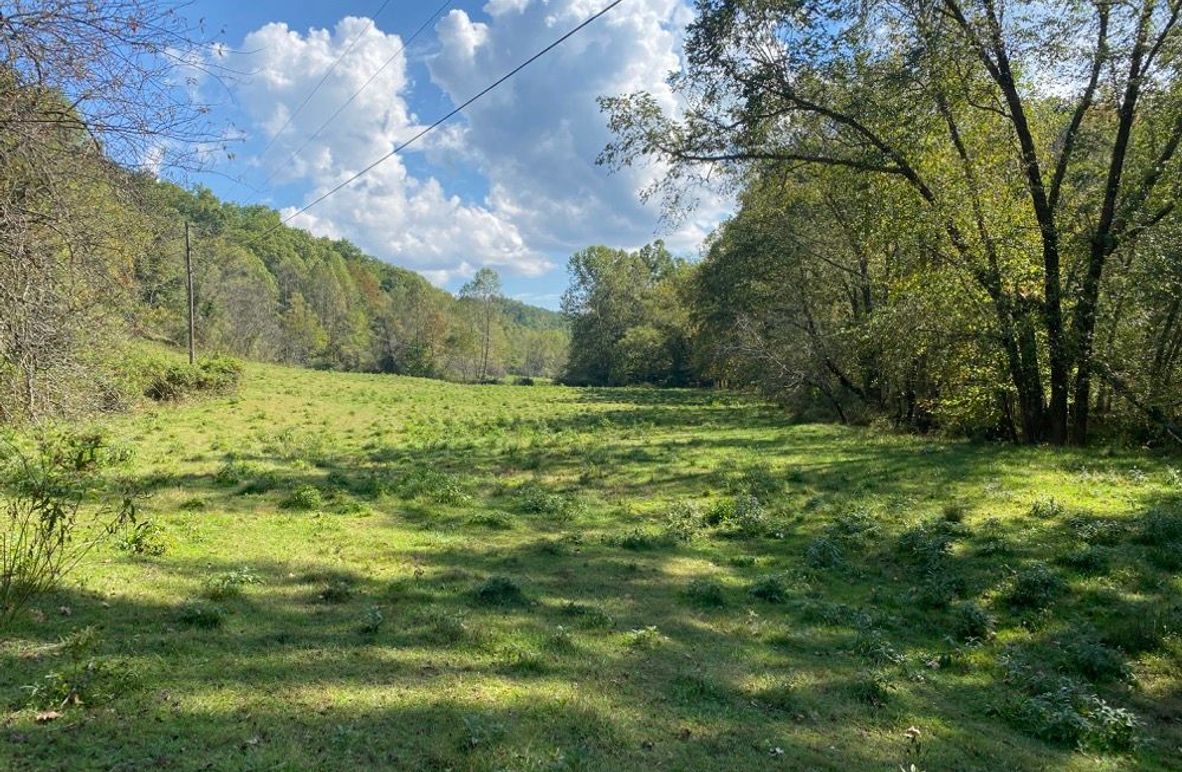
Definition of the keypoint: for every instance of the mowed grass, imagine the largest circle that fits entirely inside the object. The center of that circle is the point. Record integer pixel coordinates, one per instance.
(366, 571)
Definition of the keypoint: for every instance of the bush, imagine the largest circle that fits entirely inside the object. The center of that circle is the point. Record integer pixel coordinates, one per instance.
(496, 521)
(432, 485)
(824, 552)
(197, 613)
(44, 531)
(85, 679)
(499, 591)
(706, 592)
(1070, 713)
(771, 588)
(339, 591)
(535, 500)
(971, 622)
(682, 521)
(305, 497)
(228, 584)
(168, 381)
(1035, 588)
(144, 539)
(371, 621)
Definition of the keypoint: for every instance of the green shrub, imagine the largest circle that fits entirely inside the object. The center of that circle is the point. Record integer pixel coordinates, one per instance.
(171, 380)
(683, 521)
(971, 622)
(535, 500)
(55, 510)
(85, 679)
(1069, 713)
(771, 589)
(645, 638)
(371, 621)
(706, 592)
(197, 613)
(305, 498)
(228, 584)
(431, 485)
(339, 591)
(1034, 588)
(499, 591)
(496, 521)
(144, 539)
(869, 688)
(824, 552)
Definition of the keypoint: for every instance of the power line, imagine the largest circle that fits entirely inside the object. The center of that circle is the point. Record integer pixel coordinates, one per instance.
(323, 78)
(444, 119)
(357, 93)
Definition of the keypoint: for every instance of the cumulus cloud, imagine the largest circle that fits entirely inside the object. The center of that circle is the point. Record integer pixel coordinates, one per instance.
(405, 219)
(536, 138)
(531, 191)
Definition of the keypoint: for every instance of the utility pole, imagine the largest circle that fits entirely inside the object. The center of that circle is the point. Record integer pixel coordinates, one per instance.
(189, 285)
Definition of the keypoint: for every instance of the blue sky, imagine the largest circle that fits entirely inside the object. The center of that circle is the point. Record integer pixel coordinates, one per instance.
(510, 184)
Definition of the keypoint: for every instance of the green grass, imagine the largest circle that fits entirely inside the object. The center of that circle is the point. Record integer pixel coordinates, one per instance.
(365, 571)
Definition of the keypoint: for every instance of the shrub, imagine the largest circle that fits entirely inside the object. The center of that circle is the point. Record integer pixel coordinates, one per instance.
(228, 584)
(1034, 588)
(371, 621)
(771, 588)
(1094, 530)
(305, 497)
(707, 592)
(926, 545)
(824, 552)
(1096, 661)
(871, 644)
(1159, 527)
(196, 613)
(233, 472)
(588, 616)
(144, 538)
(1087, 560)
(432, 485)
(44, 529)
(499, 591)
(954, 512)
(682, 521)
(339, 591)
(1046, 508)
(535, 500)
(515, 658)
(496, 521)
(748, 517)
(870, 688)
(167, 381)
(938, 589)
(646, 638)
(639, 539)
(1070, 713)
(971, 622)
(85, 679)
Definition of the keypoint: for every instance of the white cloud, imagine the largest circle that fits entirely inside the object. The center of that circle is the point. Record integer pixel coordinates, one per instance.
(388, 212)
(536, 138)
(529, 147)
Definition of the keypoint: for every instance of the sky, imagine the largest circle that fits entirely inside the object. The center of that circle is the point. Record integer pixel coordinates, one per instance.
(511, 183)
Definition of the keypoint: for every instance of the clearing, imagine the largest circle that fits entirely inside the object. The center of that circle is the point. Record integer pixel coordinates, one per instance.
(363, 571)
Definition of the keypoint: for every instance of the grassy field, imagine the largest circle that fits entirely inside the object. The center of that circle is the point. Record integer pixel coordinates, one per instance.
(365, 571)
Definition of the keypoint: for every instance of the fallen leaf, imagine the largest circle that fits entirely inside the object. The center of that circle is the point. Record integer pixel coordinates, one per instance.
(45, 716)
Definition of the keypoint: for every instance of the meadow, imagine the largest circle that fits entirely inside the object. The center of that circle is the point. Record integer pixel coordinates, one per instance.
(345, 571)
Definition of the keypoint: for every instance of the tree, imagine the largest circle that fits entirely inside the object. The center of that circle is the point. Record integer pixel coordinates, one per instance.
(485, 291)
(948, 98)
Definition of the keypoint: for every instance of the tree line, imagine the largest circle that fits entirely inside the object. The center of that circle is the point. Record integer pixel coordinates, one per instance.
(957, 213)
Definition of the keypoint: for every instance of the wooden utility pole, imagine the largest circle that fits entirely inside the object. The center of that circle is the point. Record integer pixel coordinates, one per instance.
(189, 285)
